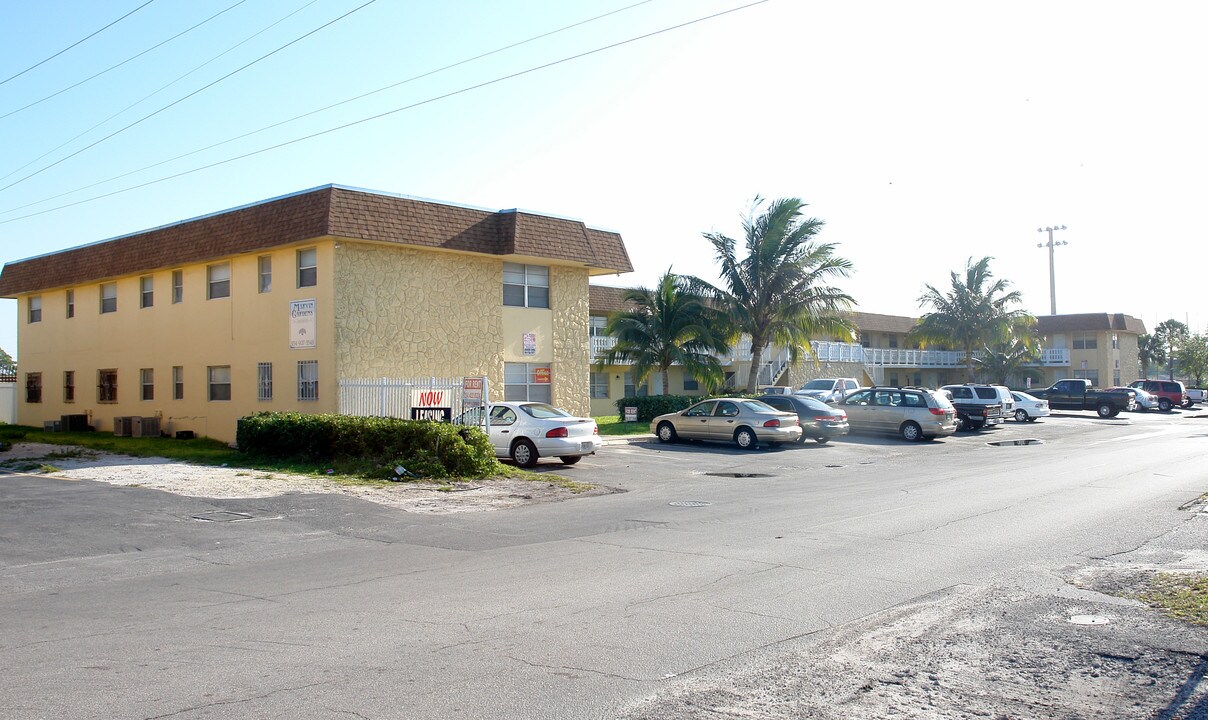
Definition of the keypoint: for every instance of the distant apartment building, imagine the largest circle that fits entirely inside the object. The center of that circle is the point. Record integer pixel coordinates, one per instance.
(270, 305)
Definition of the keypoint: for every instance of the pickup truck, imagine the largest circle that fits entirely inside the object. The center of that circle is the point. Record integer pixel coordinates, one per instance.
(1077, 394)
(976, 405)
(829, 390)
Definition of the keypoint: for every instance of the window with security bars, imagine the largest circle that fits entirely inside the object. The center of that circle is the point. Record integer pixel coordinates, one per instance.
(69, 386)
(308, 379)
(106, 386)
(264, 381)
(527, 381)
(33, 387)
(525, 285)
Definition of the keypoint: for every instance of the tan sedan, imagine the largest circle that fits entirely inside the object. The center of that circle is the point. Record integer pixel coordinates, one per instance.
(744, 422)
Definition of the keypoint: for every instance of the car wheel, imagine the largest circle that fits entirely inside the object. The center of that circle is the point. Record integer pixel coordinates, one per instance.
(745, 438)
(570, 459)
(1187, 405)
(962, 423)
(911, 431)
(1164, 404)
(524, 453)
(1021, 416)
(1031, 419)
(822, 440)
(666, 432)
(1106, 410)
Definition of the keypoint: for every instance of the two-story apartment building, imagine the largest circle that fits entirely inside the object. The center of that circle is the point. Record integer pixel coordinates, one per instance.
(268, 306)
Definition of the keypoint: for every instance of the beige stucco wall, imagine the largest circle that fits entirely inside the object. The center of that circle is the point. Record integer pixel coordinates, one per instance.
(241, 331)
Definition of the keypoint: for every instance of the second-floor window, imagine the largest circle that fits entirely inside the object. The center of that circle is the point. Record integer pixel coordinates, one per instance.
(146, 289)
(1085, 342)
(108, 297)
(71, 303)
(35, 309)
(525, 285)
(178, 286)
(219, 279)
(308, 267)
(264, 265)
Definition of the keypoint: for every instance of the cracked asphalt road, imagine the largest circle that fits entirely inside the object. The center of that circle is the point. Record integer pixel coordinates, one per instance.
(915, 580)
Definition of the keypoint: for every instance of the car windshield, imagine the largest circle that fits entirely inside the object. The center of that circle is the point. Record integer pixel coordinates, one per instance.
(818, 385)
(816, 405)
(758, 406)
(541, 411)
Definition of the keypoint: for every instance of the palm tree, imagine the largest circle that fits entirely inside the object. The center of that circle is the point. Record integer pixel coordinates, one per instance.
(1008, 360)
(1170, 334)
(1149, 351)
(777, 292)
(973, 314)
(665, 326)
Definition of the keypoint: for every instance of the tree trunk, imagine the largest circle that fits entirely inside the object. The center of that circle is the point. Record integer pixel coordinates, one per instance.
(756, 362)
(969, 363)
(666, 381)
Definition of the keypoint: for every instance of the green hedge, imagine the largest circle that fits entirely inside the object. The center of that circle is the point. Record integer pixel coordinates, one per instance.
(372, 445)
(652, 406)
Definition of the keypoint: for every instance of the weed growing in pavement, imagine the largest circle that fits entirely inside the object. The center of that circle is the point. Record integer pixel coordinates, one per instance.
(1183, 596)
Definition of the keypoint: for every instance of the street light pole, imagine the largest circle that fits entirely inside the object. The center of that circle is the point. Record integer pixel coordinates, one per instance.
(1052, 272)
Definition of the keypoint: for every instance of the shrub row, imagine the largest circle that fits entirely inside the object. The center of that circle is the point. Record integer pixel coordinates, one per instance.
(652, 406)
(373, 445)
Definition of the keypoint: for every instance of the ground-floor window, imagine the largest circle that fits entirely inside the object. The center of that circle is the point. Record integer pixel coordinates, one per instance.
(691, 383)
(69, 386)
(264, 381)
(106, 386)
(33, 387)
(1092, 375)
(599, 385)
(527, 381)
(308, 379)
(632, 390)
(146, 378)
(219, 382)
(178, 383)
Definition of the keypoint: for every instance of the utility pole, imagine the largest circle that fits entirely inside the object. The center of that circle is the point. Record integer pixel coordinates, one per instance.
(1052, 272)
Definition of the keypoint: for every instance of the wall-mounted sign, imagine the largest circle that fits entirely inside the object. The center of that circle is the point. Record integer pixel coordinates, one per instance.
(530, 343)
(301, 324)
(472, 391)
(541, 375)
(431, 405)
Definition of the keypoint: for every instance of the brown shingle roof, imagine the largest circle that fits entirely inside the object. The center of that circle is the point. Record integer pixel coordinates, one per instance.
(603, 300)
(1089, 322)
(873, 322)
(331, 210)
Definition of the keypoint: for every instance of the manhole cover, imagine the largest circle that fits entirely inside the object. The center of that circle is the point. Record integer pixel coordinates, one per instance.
(1089, 620)
(689, 503)
(738, 475)
(222, 516)
(1005, 443)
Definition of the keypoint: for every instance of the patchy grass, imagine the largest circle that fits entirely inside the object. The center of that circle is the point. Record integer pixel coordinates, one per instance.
(1183, 596)
(612, 425)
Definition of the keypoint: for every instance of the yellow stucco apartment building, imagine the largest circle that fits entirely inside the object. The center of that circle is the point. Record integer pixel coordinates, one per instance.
(268, 306)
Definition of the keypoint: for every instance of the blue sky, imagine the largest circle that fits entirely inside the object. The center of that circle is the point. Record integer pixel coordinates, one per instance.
(922, 133)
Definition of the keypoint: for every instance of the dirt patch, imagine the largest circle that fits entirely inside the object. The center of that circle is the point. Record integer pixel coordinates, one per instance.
(180, 478)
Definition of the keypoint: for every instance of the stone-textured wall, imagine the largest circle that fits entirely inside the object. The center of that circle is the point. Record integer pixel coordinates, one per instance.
(402, 312)
(1130, 358)
(572, 353)
(806, 369)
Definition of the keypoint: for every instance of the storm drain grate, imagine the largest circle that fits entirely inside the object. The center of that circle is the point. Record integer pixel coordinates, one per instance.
(738, 475)
(689, 503)
(222, 516)
(1005, 443)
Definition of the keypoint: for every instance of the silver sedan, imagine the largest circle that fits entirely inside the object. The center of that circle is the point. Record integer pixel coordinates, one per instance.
(746, 423)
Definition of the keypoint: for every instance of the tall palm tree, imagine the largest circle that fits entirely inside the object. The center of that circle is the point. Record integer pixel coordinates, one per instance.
(1171, 334)
(665, 326)
(975, 313)
(778, 291)
(1149, 351)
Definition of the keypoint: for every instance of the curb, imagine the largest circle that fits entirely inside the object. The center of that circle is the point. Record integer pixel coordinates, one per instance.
(627, 439)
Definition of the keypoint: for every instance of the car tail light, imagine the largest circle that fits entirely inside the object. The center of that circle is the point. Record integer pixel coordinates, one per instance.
(826, 418)
(557, 432)
(595, 430)
(772, 423)
(938, 411)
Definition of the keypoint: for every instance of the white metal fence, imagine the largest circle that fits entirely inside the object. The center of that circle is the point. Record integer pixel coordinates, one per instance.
(392, 397)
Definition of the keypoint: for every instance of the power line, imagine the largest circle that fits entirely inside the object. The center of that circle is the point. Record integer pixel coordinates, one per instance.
(114, 67)
(186, 97)
(396, 110)
(307, 114)
(150, 95)
(77, 42)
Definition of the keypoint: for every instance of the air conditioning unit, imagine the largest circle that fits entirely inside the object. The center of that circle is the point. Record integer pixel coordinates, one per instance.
(74, 423)
(123, 426)
(51, 425)
(144, 427)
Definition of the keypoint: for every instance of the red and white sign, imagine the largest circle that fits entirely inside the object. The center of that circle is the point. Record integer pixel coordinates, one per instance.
(541, 376)
(471, 391)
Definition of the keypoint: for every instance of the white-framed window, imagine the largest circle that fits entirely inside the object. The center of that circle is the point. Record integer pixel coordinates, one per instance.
(308, 379)
(146, 379)
(146, 290)
(308, 267)
(264, 265)
(35, 309)
(599, 385)
(527, 381)
(108, 297)
(1085, 342)
(219, 377)
(264, 381)
(596, 325)
(218, 280)
(71, 303)
(178, 382)
(632, 390)
(525, 285)
(178, 286)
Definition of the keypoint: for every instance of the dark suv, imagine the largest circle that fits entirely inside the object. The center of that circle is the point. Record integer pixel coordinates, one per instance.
(1168, 392)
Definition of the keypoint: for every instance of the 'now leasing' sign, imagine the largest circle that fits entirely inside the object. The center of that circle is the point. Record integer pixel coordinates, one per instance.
(431, 405)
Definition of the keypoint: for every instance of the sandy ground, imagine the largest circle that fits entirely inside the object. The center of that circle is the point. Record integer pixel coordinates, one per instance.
(230, 482)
